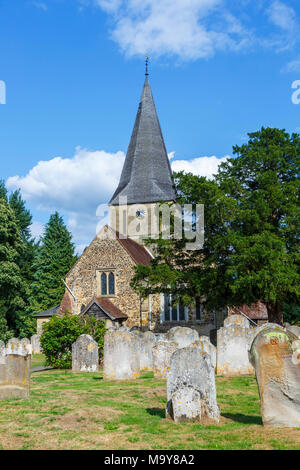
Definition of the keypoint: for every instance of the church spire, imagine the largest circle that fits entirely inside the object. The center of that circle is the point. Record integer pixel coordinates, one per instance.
(146, 174)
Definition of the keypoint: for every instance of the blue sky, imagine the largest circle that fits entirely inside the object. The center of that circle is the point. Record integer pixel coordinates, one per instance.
(74, 71)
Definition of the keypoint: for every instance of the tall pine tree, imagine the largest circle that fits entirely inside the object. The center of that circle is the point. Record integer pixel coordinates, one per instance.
(54, 259)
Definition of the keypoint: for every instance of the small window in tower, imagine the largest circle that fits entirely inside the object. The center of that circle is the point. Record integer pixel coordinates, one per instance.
(103, 284)
(111, 284)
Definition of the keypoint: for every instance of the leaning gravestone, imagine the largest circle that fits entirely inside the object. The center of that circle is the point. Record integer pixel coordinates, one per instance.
(182, 335)
(275, 355)
(233, 346)
(35, 344)
(15, 362)
(191, 387)
(121, 355)
(161, 354)
(85, 354)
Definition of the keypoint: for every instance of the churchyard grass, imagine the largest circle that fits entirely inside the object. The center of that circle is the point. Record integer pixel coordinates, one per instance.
(82, 411)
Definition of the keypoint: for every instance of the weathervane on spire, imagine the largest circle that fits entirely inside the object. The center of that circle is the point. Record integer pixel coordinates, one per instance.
(147, 62)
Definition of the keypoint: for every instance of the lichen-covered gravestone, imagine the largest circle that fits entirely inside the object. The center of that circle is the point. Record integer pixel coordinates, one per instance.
(275, 355)
(294, 329)
(85, 354)
(15, 362)
(161, 354)
(147, 341)
(182, 335)
(121, 355)
(35, 344)
(233, 347)
(206, 346)
(191, 387)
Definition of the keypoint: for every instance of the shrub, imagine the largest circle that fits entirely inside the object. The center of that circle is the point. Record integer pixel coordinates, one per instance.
(62, 331)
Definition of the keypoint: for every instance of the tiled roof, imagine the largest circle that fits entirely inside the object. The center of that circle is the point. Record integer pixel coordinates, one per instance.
(47, 313)
(138, 253)
(108, 308)
(255, 311)
(146, 175)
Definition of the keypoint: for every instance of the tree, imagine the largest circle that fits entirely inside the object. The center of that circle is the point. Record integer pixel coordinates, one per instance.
(53, 260)
(62, 331)
(251, 249)
(12, 286)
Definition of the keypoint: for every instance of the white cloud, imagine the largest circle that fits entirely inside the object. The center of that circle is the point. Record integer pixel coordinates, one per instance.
(293, 66)
(201, 166)
(282, 15)
(81, 186)
(189, 29)
(72, 186)
(40, 5)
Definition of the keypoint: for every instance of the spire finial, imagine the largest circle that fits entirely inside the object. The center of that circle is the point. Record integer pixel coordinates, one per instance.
(147, 62)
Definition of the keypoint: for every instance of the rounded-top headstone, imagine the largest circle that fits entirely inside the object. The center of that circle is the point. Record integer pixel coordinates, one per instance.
(85, 354)
(275, 355)
(182, 335)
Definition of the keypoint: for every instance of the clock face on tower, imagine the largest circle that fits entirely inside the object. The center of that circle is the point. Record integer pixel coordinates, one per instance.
(140, 213)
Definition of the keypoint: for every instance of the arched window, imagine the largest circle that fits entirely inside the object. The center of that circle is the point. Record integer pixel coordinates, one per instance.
(103, 284)
(111, 284)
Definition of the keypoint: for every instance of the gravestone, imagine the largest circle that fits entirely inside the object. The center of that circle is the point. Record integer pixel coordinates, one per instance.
(35, 344)
(294, 329)
(182, 336)
(161, 353)
(147, 341)
(85, 354)
(15, 362)
(191, 387)
(121, 355)
(206, 346)
(233, 347)
(275, 355)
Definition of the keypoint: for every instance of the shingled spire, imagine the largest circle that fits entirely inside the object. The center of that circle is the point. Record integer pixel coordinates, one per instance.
(146, 174)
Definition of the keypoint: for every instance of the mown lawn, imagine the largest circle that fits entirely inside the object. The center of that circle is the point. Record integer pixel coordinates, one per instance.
(82, 411)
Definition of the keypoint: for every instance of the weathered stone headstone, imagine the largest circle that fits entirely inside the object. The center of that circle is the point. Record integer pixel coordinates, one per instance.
(85, 354)
(182, 336)
(233, 346)
(147, 341)
(294, 329)
(191, 387)
(15, 362)
(206, 346)
(35, 344)
(161, 354)
(121, 355)
(275, 355)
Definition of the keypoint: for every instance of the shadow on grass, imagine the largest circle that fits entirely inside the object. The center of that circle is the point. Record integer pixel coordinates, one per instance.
(97, 378)
(156, 412)
(245, 419)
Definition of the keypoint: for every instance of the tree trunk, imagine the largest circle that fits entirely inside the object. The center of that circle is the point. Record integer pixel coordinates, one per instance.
(275, 313)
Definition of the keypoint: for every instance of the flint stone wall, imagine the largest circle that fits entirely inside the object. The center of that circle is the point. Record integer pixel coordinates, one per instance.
(15, 363)
(121, 355)
(275, 355)
(85, 354)
(191, 387)
(161, 354)
(182, 336)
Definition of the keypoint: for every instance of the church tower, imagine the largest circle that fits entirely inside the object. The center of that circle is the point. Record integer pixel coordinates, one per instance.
(146, 178)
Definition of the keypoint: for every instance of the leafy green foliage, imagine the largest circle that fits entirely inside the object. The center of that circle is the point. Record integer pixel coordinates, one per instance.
(62, 331)
(53, 260)
(251, 245)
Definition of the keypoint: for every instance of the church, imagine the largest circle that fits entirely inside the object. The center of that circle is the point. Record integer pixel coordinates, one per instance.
(99, 282)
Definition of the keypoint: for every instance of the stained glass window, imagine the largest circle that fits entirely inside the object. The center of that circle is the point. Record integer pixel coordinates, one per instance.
(103, 284)
(111, 283)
